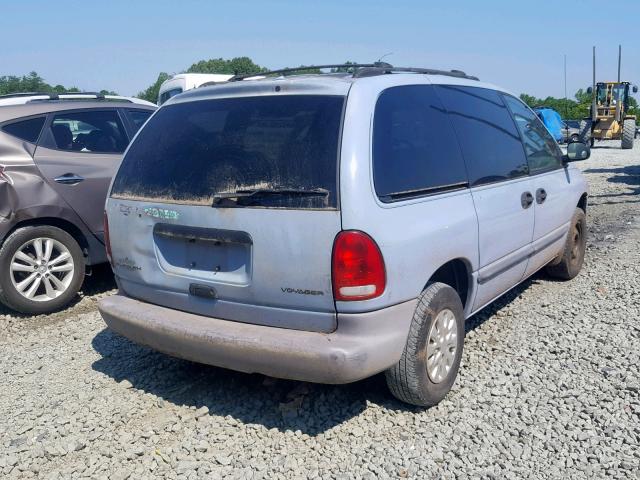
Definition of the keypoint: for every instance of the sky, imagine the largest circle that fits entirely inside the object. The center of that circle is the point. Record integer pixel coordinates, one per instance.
(123, 45)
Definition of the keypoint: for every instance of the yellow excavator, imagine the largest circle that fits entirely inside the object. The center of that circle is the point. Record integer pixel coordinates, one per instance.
(610, 118)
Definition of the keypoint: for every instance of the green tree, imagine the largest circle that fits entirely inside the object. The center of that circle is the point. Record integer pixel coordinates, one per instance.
(29, 83)
(150, 94)
(344, 69)
(235, 66)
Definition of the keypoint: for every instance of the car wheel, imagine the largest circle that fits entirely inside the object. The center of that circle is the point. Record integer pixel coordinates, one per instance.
(431, 357)
(569, 263)
(41, 269)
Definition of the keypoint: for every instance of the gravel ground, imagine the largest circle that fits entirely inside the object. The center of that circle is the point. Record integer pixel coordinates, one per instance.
(549, 388)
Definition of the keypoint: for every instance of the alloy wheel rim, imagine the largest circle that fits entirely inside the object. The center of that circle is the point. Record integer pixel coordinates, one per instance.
(41, 269)
(442, 345)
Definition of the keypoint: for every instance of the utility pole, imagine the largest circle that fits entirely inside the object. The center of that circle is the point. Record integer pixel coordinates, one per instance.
(619, 60)
(566, 101)
(593, 92)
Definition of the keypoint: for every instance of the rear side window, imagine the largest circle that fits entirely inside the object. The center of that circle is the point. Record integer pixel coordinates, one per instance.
(489, 139)
(542, 150)
(270, 151)
(415, 151)
(28, 130)
(138, 117)
(98, 131)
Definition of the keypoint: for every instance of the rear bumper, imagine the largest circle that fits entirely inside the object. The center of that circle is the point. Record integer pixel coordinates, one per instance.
(363, 344)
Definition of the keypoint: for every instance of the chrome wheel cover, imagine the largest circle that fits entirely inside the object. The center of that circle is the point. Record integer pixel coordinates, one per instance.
(442, 345)
(42, 269)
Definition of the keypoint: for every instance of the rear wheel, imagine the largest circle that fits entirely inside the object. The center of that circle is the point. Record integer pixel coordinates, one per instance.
(41, 269)
(628, 133)
(569, 263)
(431, 357)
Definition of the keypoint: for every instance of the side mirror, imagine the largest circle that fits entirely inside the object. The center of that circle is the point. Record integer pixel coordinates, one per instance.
(589, 90)
(576, 151)
(635, 89)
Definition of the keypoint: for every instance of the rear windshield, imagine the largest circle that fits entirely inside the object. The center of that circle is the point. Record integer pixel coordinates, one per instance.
(270, 151)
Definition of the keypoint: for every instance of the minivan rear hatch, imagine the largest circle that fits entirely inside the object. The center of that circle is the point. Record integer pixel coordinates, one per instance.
(228, 207)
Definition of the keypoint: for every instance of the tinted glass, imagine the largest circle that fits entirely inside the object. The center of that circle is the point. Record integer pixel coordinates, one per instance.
(97, 131)
(414, 147)
(168, 94)
(542, 150)
(202, 152)
(28, 130)
(490, 142)
(138, 117)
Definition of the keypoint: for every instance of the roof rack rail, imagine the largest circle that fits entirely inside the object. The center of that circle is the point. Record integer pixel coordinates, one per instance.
(236, 78)
(38, 97)
(369, 72)
(57, 95)
(23, 94)
(362, 70)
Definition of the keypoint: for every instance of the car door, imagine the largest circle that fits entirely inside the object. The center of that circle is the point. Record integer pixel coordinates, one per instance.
(551, 185)
(78, 154)
(500, 186)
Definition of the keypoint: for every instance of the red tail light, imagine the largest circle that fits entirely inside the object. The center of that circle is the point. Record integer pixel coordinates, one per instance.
(107, 240)
(357, 267)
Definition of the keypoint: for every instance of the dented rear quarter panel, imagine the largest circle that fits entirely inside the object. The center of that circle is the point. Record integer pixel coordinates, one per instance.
(25, 195)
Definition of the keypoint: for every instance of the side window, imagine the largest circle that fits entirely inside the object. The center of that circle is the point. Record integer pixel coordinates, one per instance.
(542, 150)
(98, 131)
(138, 117)
(28, 130)
(490, 142)
(415, 151)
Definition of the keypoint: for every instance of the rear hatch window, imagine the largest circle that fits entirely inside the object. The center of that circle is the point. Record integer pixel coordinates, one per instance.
(275, 151)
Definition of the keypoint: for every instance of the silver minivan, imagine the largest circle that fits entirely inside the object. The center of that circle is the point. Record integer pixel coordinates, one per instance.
(329, 227)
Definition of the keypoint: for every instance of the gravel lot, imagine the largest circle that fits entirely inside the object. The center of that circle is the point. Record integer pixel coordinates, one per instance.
(548, 388)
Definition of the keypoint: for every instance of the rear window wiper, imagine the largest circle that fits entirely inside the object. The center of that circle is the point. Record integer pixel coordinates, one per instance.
(267, 192)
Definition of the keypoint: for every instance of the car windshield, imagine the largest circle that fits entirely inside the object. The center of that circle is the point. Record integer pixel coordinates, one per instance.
(268, 151)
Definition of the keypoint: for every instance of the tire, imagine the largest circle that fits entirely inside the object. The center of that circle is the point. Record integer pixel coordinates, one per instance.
(628, 133)
(49, 286)
(585, 131)
(569, 263)
(409, 380)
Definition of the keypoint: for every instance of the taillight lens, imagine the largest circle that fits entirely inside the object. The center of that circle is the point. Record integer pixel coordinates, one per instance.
(107, 240)
(357, 267)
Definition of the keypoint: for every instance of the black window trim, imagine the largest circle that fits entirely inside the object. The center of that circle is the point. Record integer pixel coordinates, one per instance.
(47, 141)
(541, 171)
(421, 193)
(21, 119)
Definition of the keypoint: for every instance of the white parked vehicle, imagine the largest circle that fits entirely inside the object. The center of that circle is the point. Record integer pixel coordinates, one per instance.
(187, 81)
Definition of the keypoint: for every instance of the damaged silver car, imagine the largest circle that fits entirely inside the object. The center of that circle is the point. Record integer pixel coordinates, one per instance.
(58, 153)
